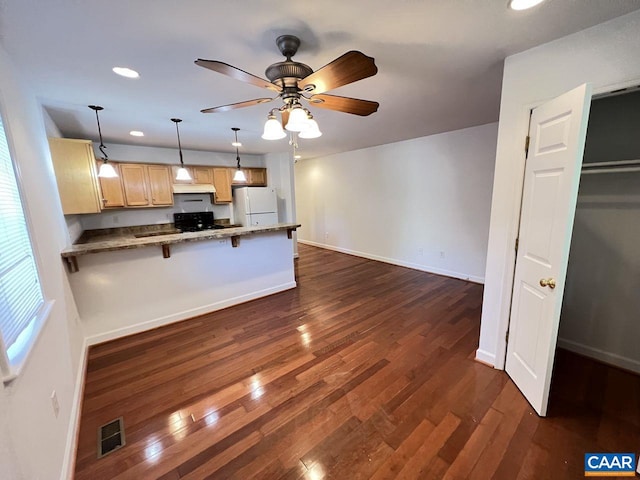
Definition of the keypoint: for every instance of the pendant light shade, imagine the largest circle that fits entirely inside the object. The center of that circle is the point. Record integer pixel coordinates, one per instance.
(297, 120)
(312, 130)
(182, 174)
(106, 169)
(272, 129)
(239, 176)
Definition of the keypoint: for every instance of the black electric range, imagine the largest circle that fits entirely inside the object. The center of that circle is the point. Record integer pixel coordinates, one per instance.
(194, 221)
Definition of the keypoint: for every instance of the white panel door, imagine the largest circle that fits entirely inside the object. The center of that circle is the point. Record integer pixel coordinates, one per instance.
(552, 173)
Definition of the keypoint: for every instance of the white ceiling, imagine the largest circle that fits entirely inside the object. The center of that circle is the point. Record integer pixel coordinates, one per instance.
(440, 63)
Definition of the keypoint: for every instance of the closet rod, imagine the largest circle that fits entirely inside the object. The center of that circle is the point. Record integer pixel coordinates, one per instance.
(592, 171)
(617, 163)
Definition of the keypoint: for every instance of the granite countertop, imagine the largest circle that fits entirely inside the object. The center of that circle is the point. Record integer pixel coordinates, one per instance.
(138, 237)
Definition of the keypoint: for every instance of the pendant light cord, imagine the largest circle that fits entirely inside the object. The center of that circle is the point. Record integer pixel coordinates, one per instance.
(235, 130)
(105, 157)
(179, 144)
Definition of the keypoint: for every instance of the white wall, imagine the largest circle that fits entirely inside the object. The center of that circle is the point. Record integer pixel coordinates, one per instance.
(34, 444)
(606, 56)
(149, 216)
(128, 291)
(280, 175)
(421, 203)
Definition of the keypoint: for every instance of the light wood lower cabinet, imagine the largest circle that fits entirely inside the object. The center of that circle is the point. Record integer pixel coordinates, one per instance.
(76, 176)
(146, 185)
(222, 182)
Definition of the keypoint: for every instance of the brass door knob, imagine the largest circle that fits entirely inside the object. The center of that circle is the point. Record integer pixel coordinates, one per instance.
(548, 282)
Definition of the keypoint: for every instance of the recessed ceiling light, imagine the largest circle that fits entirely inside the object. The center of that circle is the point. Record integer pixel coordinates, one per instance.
(136, 133)
(297, 157)
(236, 144)
(125, 72)
(523, 4)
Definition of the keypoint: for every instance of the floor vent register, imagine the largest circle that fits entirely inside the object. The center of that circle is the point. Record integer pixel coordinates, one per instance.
(110, 437)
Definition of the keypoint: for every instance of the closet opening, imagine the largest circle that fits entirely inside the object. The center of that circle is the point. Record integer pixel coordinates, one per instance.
(597, 365)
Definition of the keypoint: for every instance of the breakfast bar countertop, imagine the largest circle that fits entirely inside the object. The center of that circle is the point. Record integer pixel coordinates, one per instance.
(124, 241)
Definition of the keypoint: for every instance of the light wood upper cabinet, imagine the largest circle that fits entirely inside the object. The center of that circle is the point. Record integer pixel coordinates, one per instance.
(222, 182)
(74, 165)
(134, 184)
(146, 185)
(160, 185)
(257, 177)
(112, 193)
(202, 175)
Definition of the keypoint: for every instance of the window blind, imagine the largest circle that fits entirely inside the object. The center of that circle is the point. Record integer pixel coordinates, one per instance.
(20, 291)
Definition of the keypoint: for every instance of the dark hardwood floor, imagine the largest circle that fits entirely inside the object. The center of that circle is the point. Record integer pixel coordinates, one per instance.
(365, 370)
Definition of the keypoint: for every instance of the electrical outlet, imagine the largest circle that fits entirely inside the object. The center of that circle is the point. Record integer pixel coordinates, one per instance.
(421, 251)
(116, 219)
(441, 254)
(326, 235)
(55, 404)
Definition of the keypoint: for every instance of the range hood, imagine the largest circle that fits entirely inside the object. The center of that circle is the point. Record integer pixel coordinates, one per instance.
(203, 188)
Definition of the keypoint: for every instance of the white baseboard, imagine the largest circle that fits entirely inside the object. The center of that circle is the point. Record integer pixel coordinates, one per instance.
(605, 357)
(401, 263)
(184, 315)
(486, 358)
(74, 417)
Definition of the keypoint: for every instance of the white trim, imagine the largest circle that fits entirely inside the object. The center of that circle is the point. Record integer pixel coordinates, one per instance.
(74, 416)
(186, 314)
(486, 357)
(596, 353)
(39, 325)
(393, 261)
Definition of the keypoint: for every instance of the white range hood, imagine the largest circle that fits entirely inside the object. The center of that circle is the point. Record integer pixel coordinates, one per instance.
(204, 188)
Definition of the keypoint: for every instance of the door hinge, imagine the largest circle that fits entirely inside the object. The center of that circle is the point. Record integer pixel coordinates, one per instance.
(506, 337)
(526, 145)
(517, 243)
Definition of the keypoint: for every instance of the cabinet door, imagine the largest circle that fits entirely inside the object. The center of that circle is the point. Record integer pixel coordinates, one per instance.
(222, 182)
(74, 165)
(112, 194)
(257, 177)
(160, 185)
(134, 184)
(202, 175)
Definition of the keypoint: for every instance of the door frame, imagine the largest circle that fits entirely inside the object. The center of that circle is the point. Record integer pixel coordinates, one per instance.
(506, 298)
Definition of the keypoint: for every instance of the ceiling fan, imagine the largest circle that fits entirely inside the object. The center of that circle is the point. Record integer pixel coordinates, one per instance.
(294, 81)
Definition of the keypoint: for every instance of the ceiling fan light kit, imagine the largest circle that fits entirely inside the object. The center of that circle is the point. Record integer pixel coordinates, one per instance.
(294, 81)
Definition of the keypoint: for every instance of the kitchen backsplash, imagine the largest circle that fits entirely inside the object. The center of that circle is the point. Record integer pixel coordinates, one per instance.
(192, 202)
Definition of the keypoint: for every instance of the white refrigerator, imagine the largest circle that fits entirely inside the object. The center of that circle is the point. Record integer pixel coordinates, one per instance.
(255, 206)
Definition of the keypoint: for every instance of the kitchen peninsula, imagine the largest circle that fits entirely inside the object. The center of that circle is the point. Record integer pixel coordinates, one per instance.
(125, 285)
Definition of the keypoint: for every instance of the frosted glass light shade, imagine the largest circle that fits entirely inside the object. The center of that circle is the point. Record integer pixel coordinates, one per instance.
(273, 130)
(107, 171)
(183, 174)
(313, 131)
(298, 120)
(523, 4)
(239, 176)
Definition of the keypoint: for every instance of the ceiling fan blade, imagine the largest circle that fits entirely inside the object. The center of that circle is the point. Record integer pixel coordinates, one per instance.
(354, 106)
(236, 73)
(233, 106)
(349, 68)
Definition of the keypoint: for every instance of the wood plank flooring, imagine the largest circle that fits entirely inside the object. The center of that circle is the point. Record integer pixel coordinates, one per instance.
(364, 371)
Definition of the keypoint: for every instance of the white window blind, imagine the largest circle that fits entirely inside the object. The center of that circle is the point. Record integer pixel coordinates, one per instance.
(20, 292)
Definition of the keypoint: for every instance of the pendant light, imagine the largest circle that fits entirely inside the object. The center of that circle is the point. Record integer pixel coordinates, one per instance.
(239, 175)
(182, 174)
(106, 169)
